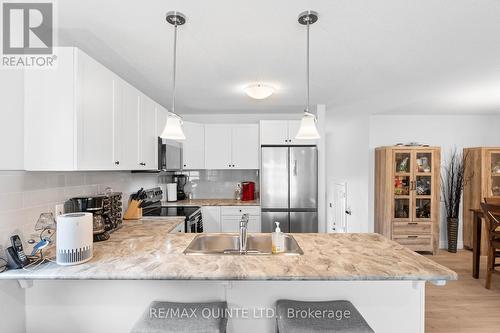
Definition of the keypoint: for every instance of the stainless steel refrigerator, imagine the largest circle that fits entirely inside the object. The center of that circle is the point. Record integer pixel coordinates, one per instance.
(289, 188)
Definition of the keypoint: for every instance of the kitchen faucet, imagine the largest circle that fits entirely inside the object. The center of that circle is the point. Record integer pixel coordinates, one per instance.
(243, 233)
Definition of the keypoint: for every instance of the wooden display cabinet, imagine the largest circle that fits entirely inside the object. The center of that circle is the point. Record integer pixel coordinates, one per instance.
(482, 172)
(407, 193)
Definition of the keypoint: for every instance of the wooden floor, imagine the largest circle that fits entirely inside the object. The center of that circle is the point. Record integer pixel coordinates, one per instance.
(462, 306)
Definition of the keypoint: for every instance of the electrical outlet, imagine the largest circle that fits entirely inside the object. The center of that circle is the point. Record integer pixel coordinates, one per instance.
(59, 210)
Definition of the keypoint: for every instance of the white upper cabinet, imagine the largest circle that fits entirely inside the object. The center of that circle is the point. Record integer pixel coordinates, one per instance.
(274, 132)
(218, 146)
(245, 146)
(281, 132)
(50, 115)
(293, 129)
(148, 140)
(193, 148)
(82, 116)
(126, 115)
(161, 119)
(231, 146)
(94, 115)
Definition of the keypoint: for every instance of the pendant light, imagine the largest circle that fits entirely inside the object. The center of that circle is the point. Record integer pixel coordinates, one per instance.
(307, 130)
(173, 127)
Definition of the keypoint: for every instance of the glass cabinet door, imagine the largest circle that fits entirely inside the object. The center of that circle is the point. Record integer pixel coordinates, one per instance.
(402, 185)
(422, 186)
(495, 173)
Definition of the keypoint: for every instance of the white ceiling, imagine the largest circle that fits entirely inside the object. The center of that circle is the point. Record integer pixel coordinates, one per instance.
(386, 56)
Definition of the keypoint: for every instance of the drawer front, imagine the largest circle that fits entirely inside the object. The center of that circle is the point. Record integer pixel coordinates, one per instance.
(232, 224)
(240, 210)
(415, 242)
(411, 228)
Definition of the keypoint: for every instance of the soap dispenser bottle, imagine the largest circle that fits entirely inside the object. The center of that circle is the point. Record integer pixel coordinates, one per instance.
(278, 240)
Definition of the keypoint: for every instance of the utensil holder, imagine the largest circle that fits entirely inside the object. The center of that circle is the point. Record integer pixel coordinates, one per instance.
(133, 211)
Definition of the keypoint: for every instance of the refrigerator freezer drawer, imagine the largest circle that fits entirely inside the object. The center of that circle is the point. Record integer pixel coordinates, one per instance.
(268, 219)
(240, 210)
(303, 222)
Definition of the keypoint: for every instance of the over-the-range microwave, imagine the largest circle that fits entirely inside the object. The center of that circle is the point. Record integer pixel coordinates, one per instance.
(169, 155)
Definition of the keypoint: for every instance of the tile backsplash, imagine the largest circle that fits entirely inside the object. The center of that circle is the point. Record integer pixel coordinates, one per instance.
(218, 184)
(24, 195)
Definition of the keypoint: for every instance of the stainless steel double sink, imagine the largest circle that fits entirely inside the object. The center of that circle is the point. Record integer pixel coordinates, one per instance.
(228, 244)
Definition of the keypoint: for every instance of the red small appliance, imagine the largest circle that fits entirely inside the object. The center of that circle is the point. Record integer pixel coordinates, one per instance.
(247, 191)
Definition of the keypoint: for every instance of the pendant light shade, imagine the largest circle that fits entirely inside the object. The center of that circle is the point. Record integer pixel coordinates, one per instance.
(307, 130)
(173, 127)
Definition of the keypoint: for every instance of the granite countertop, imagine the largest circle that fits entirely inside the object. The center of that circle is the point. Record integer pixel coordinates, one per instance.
(144, 249)
(211, 202)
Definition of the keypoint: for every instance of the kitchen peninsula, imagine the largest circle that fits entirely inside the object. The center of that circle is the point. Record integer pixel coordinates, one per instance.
(384, 280)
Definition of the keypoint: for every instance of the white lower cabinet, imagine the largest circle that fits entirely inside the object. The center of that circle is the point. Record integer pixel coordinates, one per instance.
(231, 217)
(227, 218)
(211, 218)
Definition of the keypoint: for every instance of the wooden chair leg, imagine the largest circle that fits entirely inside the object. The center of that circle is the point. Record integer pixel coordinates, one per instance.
(490, 266)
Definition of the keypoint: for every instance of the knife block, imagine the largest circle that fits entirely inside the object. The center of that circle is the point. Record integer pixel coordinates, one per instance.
(133, 211)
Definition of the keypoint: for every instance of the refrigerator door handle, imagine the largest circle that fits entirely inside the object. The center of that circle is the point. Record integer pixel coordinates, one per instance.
(295, 167)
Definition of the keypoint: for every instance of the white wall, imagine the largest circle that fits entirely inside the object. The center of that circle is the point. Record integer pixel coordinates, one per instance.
(11, 119)
(347, 159)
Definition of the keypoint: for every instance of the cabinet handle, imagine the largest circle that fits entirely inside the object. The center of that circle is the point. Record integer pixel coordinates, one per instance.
(142, 163)
(412, 236)
(117, 162)
(412, 223)
(233, 165)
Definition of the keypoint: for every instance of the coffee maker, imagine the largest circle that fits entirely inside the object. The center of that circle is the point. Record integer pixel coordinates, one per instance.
(181, 181)
(95, 205)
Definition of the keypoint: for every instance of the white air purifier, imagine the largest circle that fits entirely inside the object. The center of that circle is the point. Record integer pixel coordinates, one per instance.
(74, 242)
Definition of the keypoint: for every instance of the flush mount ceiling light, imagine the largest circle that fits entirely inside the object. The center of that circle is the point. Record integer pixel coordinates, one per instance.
(259, 91)
(173, 127)
(307, 130)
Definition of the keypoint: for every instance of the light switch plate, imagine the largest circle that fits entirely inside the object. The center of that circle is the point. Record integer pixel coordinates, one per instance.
(59, 210)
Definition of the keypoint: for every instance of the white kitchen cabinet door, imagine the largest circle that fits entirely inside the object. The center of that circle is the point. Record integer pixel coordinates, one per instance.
(232, 224)
(273, 132)
(161, 119)
(126, 116)
(218, 146)
(245, 146)
(50, 115)
(148, 141)
(193, 148)
(95, 115)
(293, 129)
(211, 219)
